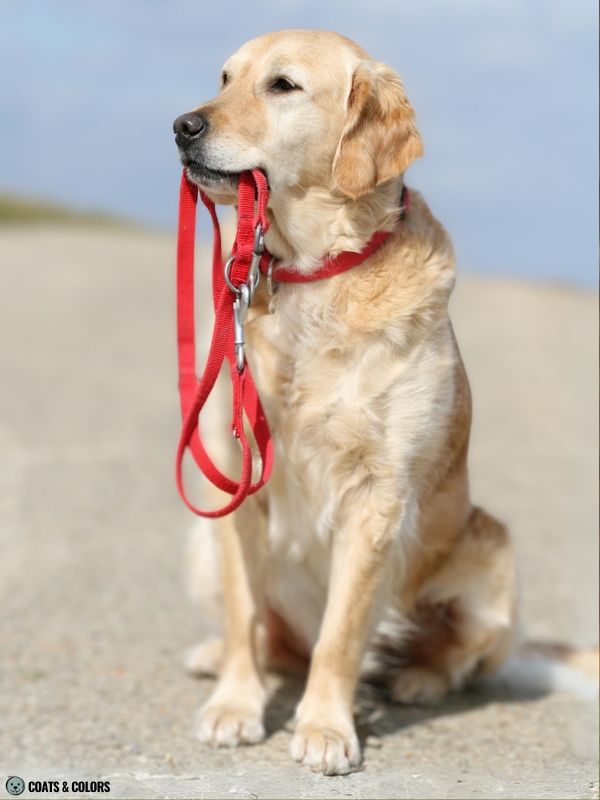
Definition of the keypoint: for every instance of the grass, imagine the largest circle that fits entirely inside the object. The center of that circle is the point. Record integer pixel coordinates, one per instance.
(15, 210)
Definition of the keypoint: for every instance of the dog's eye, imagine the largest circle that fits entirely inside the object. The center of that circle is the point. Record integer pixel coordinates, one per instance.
(224, 79)
(281, 85)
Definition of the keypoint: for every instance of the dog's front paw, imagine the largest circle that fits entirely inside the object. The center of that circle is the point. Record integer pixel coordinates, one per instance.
(332, 750)
(229, 725)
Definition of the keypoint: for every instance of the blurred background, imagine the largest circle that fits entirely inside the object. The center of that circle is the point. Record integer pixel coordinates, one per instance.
(93, 612)
(505, 94)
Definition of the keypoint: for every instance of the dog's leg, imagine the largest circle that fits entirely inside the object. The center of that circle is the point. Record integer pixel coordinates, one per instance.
(325, 738)
(464, 618)
(234, 712)
(205, 590)
(283, 653)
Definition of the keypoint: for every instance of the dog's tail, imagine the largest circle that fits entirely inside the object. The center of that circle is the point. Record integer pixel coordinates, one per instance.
(539, 667)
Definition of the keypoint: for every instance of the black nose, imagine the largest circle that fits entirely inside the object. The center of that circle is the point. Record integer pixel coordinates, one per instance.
(190, 126)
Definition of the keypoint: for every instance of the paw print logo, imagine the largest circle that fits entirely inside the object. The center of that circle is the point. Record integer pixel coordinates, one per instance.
(15, 785)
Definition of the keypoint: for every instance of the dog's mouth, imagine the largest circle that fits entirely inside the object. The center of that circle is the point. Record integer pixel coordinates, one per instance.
(208, 177)
(217, 182)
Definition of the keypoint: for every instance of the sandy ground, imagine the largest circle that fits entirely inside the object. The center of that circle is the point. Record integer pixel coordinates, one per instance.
(94, 617)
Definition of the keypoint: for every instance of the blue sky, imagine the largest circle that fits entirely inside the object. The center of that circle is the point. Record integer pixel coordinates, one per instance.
(505, 93)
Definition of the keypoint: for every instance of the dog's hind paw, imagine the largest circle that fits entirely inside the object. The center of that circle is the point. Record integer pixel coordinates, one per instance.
(205, 659)
(418, 685)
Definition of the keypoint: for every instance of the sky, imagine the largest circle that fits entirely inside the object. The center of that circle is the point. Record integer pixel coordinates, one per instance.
(505, 91)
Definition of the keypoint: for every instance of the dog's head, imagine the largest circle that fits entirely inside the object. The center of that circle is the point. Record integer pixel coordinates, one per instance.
(309, 108)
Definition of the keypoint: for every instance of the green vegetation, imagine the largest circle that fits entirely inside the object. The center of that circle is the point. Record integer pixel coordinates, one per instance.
(15, 210)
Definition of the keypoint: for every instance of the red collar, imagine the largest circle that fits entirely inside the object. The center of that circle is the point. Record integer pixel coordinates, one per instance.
(336, 265)
(233, 291)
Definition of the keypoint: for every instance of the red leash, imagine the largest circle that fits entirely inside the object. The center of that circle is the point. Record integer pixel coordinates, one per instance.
(230, 301)
(233, 289)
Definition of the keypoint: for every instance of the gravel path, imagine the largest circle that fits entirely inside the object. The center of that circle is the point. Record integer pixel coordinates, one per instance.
(94, 618)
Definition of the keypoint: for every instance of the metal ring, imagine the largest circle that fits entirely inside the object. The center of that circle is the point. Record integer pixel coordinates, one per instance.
(270, 288)
(254, 279)
(226, 272)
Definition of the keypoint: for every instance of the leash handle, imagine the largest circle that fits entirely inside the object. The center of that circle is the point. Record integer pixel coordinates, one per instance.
(194, 392)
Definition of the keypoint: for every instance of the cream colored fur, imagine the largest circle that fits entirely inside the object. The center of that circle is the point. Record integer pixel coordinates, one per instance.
(364, 552)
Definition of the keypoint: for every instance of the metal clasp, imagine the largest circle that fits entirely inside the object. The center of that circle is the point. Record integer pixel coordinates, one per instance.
(240, 310)
(244, 294)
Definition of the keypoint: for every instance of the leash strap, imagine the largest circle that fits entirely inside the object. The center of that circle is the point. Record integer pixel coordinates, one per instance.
(194, 392)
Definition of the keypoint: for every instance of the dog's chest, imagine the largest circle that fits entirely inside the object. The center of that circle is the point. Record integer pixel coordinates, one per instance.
(300, 388)
(310, 380)
(304, 370)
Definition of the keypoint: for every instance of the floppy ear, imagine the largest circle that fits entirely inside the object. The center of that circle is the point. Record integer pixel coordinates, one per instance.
(380, 139)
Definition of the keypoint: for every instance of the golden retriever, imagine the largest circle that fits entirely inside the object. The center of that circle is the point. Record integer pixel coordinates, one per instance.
(363, 555)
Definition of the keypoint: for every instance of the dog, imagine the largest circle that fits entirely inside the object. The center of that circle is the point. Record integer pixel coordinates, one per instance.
(363, 557)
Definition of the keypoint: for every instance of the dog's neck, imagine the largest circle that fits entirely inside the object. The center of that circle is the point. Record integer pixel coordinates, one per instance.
(308, 225)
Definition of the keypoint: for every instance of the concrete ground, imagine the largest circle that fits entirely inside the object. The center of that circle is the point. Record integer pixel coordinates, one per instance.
(94, 617)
